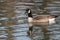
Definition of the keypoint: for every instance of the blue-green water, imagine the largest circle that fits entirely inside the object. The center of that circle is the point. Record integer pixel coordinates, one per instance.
(16, 27)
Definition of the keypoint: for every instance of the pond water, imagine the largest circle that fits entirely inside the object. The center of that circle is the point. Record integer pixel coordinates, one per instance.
(16, 28)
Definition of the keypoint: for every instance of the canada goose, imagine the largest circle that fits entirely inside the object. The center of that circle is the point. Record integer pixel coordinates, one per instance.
(40, 19)
(30, 21)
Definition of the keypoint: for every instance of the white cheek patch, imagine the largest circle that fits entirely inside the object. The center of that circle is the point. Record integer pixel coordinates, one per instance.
(29, 11)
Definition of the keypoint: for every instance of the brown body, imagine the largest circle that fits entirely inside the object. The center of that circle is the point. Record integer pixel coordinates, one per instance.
(42, 19)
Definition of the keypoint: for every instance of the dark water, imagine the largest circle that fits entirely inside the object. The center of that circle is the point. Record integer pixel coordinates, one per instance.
(16, 27)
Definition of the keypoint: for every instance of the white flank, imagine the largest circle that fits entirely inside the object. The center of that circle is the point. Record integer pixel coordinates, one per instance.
(52, 21)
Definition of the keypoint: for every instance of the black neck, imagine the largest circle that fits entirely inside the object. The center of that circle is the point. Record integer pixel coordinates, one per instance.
(30, 15)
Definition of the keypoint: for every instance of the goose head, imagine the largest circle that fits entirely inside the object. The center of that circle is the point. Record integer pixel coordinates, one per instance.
(28, 11)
